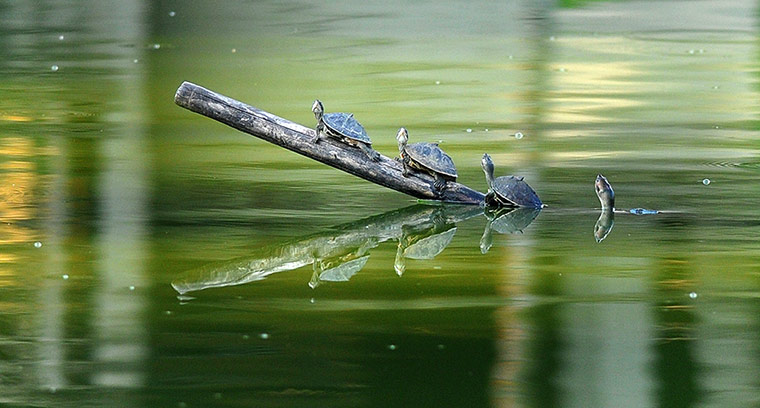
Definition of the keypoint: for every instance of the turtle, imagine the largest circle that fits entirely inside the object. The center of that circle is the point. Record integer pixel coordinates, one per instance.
(606, 220)
(605, 193)
(344, 127)
(606, 196)
(508, 191)
(427, 158)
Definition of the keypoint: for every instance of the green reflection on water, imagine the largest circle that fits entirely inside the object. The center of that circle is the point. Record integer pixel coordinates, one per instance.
(126, 193)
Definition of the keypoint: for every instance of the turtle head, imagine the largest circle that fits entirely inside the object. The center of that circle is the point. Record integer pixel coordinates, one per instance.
(604, 192)
(318, 109)
(487, 165)
(402, 137)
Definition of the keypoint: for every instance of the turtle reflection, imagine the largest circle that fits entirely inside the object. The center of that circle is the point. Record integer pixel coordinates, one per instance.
(604, 225)
(339, 263)
(340, 272)
(423, 243)
(506, 221)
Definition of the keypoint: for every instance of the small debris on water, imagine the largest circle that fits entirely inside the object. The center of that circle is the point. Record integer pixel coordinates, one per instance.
(38, 244)
(692, 51)
(643, 211)
(156, 46)
(234, 50)
(693, 295)
(437, 82)
(716, 87)
(132, 288)
(60, 38)
(246, 337)
(706, 181)
(135, 60)
(391, 347)
(552, 38)
(264, 336)
(65, 276)
(54, 68)
(518, 135)
(562, 69)
(168, 312)
(486, 129)
(172, 13)
(469, 130)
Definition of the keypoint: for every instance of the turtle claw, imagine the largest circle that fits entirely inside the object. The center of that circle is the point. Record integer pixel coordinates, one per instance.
(439, 184)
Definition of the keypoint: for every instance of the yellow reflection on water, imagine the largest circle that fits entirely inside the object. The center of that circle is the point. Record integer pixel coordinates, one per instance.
(15, 118)
(19, 181)
(586, 91)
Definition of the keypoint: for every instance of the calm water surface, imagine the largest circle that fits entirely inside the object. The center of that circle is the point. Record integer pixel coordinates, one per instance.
(153, 257)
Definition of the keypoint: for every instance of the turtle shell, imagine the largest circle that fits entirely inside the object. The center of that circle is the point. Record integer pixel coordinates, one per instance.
(432, 157)
(344, 124)
(516, 191)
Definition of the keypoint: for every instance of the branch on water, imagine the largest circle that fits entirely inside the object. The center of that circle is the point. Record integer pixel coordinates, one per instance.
(386, 172)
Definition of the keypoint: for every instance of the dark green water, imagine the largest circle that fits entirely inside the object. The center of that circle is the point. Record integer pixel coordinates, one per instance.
(152, 257)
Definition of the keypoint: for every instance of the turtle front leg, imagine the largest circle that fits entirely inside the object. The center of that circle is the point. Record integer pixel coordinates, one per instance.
(439, 184)
(320, 128)
(405, 163)
(370, 152)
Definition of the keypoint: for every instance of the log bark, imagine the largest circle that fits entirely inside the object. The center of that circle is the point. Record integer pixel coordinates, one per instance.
(386, 172)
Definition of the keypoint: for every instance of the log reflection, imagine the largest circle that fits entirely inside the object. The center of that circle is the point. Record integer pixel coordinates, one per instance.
(423, 231)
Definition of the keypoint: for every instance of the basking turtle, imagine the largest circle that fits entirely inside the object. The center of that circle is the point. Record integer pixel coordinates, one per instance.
(344, 127)
(508, 191)
(427, 158)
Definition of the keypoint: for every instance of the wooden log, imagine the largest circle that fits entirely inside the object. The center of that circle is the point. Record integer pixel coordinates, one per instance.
(292, 136)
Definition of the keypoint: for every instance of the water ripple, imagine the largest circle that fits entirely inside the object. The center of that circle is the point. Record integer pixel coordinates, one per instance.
(749, 165)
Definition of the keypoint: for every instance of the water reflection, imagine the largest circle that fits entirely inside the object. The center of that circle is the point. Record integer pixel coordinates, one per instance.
(423, 231)
(604, 224)
(423, 241)
(505, 221)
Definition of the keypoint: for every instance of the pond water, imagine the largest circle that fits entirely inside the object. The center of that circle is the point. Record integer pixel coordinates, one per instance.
(153, 257)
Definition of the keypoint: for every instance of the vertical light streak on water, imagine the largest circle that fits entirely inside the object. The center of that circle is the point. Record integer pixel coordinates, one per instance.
(50, 350)
(120, 332)
(607, 354)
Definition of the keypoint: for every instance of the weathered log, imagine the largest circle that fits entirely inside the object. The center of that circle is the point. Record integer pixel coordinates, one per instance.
(292, 136)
